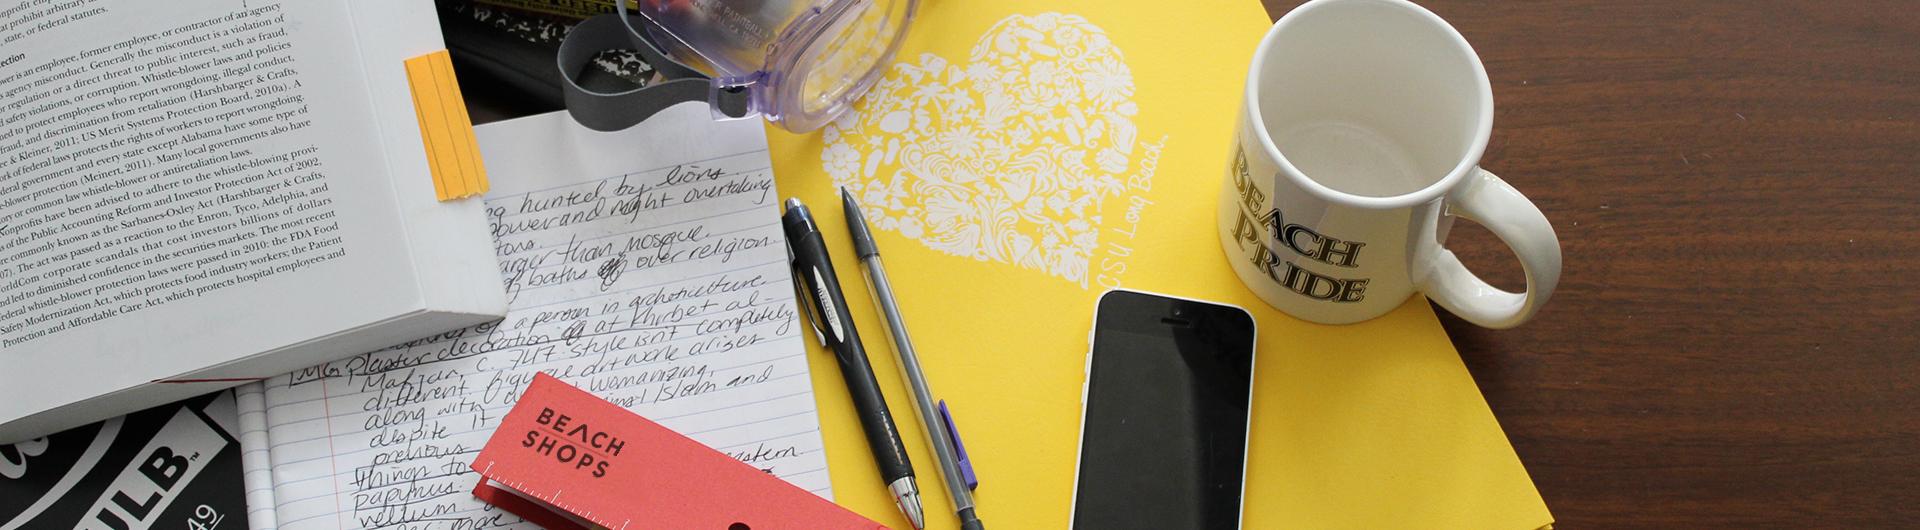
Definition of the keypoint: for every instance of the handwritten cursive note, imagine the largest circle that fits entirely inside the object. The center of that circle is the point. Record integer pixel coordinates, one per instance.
(647, 267)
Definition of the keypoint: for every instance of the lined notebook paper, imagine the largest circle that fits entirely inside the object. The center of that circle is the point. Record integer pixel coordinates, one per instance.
(647, 267)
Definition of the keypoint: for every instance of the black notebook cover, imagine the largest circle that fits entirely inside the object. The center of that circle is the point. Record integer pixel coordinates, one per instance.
(174, 466)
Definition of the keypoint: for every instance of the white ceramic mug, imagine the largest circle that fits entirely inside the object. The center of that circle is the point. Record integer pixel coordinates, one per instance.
(1358, 143)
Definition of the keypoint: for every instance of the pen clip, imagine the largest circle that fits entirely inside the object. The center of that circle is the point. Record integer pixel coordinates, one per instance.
(959, 449)
(801, 299)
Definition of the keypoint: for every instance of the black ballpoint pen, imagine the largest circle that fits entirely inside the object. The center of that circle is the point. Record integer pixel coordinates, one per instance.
(827, 305)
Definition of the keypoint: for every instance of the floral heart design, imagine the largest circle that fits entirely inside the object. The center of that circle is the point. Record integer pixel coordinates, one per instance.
(1007, 158)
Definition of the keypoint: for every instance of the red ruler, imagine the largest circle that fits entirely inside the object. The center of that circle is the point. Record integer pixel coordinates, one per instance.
(574, 458)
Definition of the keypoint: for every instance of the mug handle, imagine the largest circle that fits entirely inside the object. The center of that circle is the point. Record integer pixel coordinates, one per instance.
(1487, 200)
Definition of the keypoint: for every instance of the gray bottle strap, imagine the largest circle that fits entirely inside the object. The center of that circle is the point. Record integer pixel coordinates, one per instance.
(612, 111)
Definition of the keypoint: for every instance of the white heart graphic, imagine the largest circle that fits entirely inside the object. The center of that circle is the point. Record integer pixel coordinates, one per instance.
(1008, 158)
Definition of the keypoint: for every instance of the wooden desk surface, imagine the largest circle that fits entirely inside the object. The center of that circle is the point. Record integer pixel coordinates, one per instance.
(1736, 338)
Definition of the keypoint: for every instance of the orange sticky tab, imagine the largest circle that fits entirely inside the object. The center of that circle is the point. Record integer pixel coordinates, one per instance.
(458, 126)
(443, 90)
(423, 110)
(597, 461)
(453, 152)
(434, 129)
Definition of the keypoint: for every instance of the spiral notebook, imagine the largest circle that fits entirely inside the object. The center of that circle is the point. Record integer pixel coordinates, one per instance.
(645, 266)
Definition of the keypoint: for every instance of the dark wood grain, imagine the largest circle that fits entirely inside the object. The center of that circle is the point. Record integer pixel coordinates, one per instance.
(1736, 185)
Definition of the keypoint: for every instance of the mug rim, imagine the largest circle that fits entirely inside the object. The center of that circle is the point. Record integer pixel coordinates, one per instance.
(1483, 128)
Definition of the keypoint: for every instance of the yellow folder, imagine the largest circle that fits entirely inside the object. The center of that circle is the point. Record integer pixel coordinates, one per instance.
(1023, 156)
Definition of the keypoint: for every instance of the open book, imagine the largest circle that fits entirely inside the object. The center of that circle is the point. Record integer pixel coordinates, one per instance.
(197, 193)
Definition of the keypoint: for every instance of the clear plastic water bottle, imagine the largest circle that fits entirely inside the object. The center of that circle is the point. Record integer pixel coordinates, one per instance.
(802, 62)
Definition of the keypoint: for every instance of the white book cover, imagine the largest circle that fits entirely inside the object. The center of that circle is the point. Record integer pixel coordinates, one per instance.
(197, 193)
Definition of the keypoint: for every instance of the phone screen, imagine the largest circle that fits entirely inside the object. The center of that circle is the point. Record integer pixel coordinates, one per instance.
(1163, 443)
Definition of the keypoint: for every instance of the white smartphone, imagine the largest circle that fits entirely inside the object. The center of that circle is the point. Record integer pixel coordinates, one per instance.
(1164, 419)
